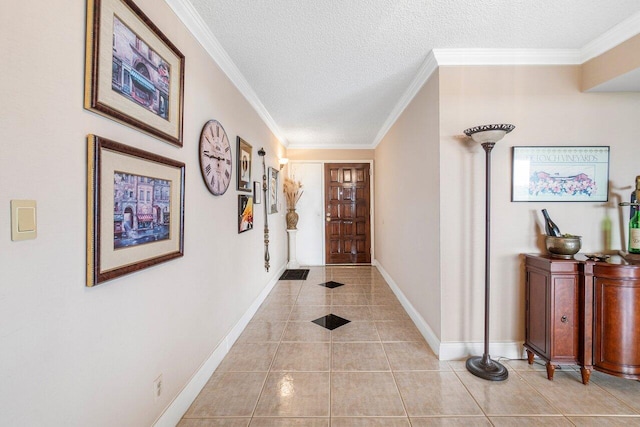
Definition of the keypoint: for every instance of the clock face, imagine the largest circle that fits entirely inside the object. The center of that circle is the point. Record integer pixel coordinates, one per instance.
(215, 157)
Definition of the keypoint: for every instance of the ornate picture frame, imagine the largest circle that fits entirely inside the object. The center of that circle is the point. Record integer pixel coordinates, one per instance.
(133, 73)
(243, 166)
(135, 209)
(245, 213)
(272, 190)
(560, 174)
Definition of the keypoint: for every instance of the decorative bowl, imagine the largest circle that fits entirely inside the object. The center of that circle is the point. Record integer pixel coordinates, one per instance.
(563, 247)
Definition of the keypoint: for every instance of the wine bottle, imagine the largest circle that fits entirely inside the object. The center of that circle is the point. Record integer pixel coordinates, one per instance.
(550, 227)
(634, 222)
(634, 233)
(634, 198)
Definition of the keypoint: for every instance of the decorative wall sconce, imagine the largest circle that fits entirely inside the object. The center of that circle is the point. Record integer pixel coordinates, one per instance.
(483, 366)
(283, 162)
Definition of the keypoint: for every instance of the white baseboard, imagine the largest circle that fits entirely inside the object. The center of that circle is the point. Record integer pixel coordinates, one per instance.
(451, 350)
(497, 350)
(176, 409)
(422, 325)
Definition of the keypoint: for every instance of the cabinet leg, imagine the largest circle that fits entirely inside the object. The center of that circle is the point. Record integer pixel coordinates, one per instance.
(551, 369)
(586, 374)
(530, 356)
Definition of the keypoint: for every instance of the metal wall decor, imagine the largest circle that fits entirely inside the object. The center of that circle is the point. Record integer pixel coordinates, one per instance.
(262, 153)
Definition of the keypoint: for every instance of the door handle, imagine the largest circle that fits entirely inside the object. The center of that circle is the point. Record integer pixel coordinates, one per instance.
(328, 216)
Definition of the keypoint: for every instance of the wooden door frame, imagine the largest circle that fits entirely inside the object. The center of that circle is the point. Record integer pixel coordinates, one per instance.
(371, 202)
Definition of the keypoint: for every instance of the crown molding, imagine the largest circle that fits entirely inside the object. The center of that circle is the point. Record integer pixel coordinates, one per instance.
(425, 71)
(620, 33)
(330, 147)
(194, 23)
(437, 57)
(507, 56)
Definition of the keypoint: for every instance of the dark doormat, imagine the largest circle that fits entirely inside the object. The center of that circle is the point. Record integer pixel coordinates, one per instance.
(294, 275)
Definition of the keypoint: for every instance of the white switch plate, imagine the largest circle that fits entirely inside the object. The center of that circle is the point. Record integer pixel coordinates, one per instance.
(24, 224)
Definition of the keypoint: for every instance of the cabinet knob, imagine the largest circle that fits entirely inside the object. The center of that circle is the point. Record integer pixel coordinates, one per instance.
(564, 319)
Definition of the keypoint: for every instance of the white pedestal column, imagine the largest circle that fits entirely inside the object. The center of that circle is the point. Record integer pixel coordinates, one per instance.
(293, 262)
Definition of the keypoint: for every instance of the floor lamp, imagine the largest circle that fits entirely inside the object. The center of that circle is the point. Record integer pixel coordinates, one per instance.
(483, 366)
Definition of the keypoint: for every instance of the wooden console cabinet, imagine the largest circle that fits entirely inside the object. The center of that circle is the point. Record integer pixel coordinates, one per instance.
(583, 312)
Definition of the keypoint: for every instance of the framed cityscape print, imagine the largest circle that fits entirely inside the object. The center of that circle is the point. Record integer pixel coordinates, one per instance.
(133, 73)
(244, 165)
(245, 213)
(560, 174)
(272, 190)
(135, 209)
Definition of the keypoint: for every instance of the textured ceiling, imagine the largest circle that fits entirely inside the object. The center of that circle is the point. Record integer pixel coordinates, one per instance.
(329, 73)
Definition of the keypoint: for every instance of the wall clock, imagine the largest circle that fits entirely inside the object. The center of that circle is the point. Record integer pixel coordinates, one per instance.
(215, 157)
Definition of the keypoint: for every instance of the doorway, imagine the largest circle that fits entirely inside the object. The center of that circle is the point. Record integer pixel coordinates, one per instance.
(347, 213)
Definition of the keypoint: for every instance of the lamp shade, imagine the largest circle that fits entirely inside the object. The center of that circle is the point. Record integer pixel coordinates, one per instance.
(489, 133)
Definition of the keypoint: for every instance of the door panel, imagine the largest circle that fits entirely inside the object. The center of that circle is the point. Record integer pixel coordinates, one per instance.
(310, 236)
(347, 213)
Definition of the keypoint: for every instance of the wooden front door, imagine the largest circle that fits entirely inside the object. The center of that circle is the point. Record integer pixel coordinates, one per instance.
(346, 207)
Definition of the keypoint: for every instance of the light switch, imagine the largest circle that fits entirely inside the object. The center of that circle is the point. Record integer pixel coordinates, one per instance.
(23, 220)
(26, 219)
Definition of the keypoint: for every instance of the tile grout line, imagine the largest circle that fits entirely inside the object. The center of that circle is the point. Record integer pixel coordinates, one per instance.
(264, 383)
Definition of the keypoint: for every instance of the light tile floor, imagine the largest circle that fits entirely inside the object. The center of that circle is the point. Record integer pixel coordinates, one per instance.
(378, 371)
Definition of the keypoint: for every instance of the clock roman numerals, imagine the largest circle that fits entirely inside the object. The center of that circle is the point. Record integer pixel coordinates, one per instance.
(216, 158)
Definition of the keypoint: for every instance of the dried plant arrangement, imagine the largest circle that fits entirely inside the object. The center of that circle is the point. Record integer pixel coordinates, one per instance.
(292, 192)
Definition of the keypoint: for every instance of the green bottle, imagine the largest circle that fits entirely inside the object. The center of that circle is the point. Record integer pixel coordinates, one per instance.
(634, 223)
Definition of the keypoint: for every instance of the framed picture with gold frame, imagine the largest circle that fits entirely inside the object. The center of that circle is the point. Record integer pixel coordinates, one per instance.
(133, 73)
(135, 209)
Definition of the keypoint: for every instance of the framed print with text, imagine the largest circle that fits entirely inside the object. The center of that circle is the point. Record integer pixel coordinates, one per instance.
(244, 165)
(135, 209)
(133, 73)
(560, 174)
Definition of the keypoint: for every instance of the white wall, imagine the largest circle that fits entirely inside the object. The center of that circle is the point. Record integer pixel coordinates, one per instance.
(430, 194)
(407, 214)
(547, 108)
(73, 355)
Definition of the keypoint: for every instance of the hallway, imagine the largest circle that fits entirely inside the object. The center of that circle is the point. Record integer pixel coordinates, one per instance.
(377, 370)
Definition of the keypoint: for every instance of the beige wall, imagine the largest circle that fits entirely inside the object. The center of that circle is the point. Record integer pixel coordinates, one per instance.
(407, 195)
(324, 154)
(613, 63)
(547, 107)
(88, 356)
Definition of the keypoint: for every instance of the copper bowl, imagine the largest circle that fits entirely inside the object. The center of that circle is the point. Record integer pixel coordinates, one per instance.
(563, 247)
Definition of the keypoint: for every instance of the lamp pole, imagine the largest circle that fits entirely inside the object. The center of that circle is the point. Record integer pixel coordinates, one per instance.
(483, 366)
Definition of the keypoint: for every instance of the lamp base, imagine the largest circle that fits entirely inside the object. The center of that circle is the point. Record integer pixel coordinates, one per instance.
(485, 368)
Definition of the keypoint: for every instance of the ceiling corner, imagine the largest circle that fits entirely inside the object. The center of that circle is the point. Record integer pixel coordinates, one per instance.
(185, 11)
(425, 71)
(612, 38)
